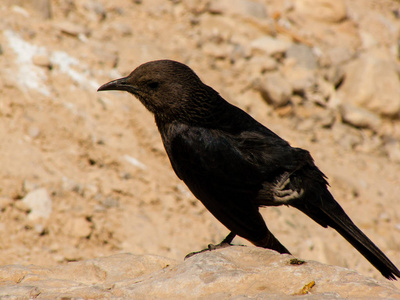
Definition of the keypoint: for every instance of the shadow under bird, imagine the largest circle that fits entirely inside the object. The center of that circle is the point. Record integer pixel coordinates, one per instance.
(233, 164)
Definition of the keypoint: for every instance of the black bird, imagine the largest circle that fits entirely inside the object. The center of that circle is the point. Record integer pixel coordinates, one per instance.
(233, 164)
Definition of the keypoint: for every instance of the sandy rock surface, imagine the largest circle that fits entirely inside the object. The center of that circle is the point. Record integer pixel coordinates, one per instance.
(233, 273)
(84, 175)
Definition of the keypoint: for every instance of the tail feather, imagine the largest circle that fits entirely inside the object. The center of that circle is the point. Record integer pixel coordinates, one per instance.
(329, 213)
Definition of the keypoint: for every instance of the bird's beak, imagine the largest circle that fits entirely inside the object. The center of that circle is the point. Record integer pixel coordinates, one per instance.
(116, 85)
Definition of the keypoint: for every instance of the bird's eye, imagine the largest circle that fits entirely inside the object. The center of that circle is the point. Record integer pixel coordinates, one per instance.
(153, 84)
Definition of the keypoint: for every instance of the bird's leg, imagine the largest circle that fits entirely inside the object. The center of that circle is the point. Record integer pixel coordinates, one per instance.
(271, 242)
(226, 242)
(283, 193)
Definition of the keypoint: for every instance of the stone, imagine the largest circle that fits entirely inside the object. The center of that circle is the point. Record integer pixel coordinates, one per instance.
(42, 61)
(359, 117)
(261, 64)
(39, 203)
(339, 55)
(70, 28)
(33, 131)
(270, 45)
(122, 29)
(346, 136)
(274, 89)
(298, 77)
(334, 75)
(303, 55)
(331, 11)
(96, 10)
(219, 51)
(41, 8)
(393, 150)
(244, 8)
(77, 227)
(372, 82)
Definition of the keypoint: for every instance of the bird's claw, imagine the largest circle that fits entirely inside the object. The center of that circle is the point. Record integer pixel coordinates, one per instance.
(210, 247)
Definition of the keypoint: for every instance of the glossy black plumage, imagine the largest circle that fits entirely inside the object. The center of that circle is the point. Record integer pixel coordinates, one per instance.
(233, 164)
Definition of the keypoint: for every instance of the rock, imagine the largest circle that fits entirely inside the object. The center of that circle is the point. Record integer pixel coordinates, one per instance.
(393, 150)
(72, 29)
(303, 55)
(274, 89)
(331, 11)
(95, 10)
(42, 61)
(270, 45)
(33, 131)
(77, 227)
(41, 8)
(339, 55)
(39, 203)
(346, 136)
(359, 117)
(219, 51)
(244, 8)
(122, 29)
(230, 273)
(298, 77)
(334, 75)
(373, 83)
(368, 40)
(261, 64)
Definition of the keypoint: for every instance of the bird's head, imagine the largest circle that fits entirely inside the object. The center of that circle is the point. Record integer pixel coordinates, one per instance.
(163, 86)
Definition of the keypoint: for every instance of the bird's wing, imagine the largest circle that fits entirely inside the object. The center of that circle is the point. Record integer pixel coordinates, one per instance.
(222, 173)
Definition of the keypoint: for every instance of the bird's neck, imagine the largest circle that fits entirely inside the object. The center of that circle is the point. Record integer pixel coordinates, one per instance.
(204, 115)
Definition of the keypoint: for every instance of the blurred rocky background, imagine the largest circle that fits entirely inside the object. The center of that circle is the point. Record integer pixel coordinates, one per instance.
(84, 175)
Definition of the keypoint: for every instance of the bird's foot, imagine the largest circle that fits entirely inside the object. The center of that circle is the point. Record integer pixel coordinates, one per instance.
(210, 247)
(225, 243)
(283, 193)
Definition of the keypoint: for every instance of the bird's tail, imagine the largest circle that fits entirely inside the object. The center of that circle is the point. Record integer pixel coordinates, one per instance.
(330, 213)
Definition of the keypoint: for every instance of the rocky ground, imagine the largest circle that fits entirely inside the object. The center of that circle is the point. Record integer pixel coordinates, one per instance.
(230, 273)
(84, 175)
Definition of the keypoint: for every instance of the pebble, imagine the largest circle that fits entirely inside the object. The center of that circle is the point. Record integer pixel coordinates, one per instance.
(346, 136)
(393, 151)
(270, 45)
(331, 11)
(261, 64)
(274, 89)
(42, 61)
(339, 55)
(72, 29)
(39, 203)
(373, 83)
(334, 75)
(43, 8)
(303, 55)
(244, 8)
(359, 117)
(96, 10)
(299, 78)
(218, 51)
(122, 29)
(33, 131)
(78, 227)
